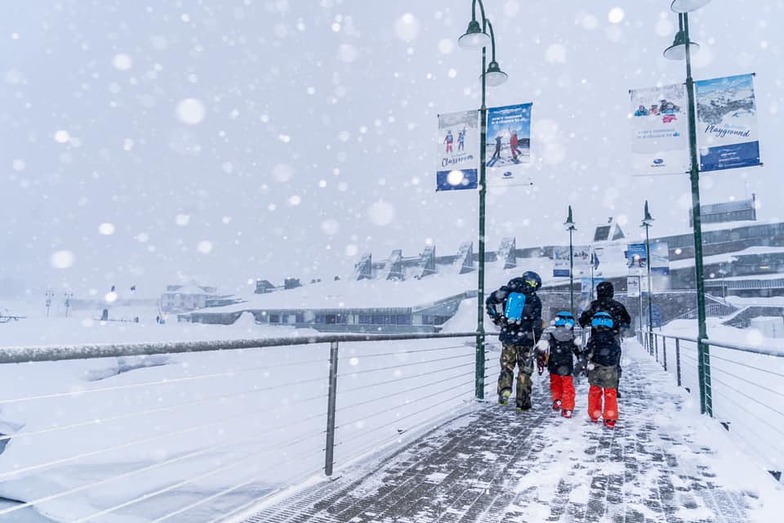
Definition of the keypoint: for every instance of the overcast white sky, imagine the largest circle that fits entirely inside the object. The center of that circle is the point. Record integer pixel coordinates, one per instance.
(149, 142)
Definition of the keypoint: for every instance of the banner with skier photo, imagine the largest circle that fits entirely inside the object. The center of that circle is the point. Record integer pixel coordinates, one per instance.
(727, 123)
(637, 258)
(660, 258)
(660, 130)
(458, 151)
(508, 143)
(581, 262)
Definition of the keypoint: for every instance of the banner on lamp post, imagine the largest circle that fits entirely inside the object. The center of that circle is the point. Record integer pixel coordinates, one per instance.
(660, 258)
(660, 130)
(637, 258)
(582, 261)
(508, 144)
(458, 151)
(633, 286)
(726, 114)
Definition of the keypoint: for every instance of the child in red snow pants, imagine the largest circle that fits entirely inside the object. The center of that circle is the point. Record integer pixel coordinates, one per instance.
(603, 403)
(556, 350)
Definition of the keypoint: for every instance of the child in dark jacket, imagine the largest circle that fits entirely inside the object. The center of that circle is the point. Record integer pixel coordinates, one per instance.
(557, 349)
(604, 360)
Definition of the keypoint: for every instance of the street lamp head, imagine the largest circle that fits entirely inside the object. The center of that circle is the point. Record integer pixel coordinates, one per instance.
(677, 51)
(647, 220)
(569, 223)
(494, 75)
(474, 37)
(685, 6)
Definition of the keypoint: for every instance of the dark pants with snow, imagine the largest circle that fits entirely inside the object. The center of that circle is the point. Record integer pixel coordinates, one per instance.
(522, 357)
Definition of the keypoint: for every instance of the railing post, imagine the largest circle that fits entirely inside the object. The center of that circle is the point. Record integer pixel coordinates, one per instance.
(655, 340)
(664, 352)
(331, 403)
(678, 360)
(705, 378)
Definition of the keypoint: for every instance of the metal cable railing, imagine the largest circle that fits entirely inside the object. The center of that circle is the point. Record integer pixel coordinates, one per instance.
(744, 393)
(229, 428)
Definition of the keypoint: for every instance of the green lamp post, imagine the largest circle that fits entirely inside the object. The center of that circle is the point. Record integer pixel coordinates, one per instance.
(477, 37)
(679, 50)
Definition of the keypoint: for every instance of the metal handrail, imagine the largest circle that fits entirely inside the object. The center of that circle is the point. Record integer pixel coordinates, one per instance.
(311, 441)
(653, 349)
(80, 352)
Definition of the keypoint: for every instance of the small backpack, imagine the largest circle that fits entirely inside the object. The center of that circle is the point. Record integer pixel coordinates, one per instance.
(514, 307)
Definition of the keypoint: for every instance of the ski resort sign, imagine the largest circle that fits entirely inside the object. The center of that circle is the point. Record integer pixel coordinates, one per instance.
(726, 124)
(458, 151)
(660, 130)
(508, 144)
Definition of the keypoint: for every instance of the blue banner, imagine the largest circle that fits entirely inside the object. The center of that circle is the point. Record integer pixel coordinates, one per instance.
(457, 179)
(637, 258)
(508, 144)
(727, 123)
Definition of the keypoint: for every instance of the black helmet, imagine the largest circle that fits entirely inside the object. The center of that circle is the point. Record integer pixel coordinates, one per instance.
(531, 282)
(605, 290)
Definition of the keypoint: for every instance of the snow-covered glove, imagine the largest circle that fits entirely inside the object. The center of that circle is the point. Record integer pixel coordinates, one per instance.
(542, 346)
(578, 343)
(581, 367)
(541, 361)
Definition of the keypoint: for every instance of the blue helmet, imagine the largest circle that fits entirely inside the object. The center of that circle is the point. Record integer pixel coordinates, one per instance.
(564, 319)
(602, 320)
(531, 282)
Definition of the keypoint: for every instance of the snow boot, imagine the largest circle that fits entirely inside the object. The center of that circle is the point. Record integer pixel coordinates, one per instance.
(609, 423)
(524, 404)
(503, 398)
(557, 405)
(566, 413)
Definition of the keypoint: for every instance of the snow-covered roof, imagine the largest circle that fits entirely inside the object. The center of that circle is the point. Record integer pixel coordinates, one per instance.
(188, 288)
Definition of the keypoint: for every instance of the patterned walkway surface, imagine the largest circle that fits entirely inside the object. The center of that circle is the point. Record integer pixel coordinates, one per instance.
(494, 464)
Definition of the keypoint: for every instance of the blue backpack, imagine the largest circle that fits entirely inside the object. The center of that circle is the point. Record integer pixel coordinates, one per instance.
(514, 307)
(602, 320)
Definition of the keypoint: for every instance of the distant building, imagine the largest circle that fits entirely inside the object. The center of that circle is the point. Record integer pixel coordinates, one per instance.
(725, 212)
(423, 317)
(608, 232)
(264, 286)
(189, 297)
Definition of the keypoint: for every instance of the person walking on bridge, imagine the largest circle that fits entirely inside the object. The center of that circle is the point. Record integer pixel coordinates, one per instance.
(556, 351)
(604, 302)
(604, 361)
(517, 309)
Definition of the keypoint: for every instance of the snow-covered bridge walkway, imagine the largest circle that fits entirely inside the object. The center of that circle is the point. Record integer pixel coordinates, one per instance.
(663, 462)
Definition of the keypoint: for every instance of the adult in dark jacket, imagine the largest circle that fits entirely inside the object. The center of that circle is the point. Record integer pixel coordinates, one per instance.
(604, 364)
(517, 337)
(605, 303)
